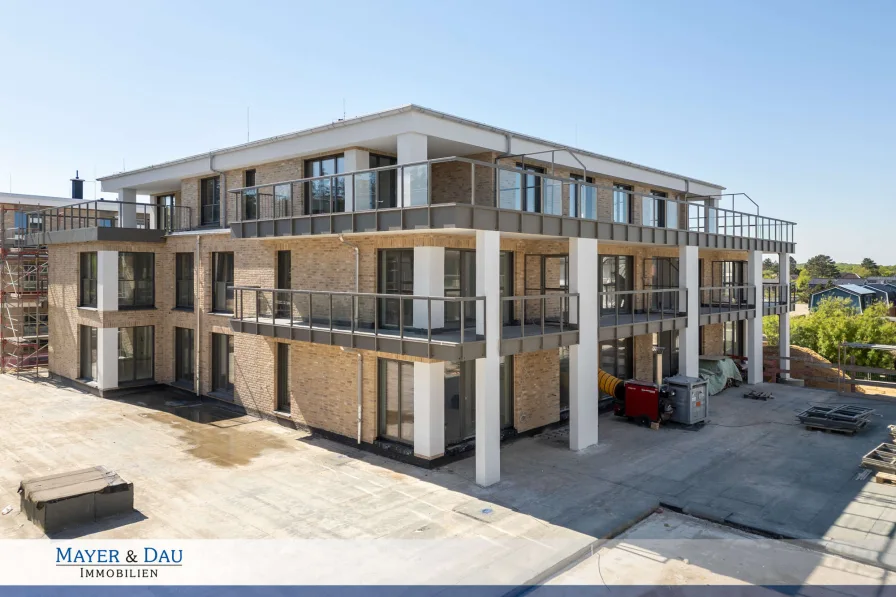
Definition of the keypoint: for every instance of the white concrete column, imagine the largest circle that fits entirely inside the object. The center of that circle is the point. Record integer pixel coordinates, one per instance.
(413, 147)
(784, 318)
(488, 369)
(583, 357)
(754, 326)
(107, 280)
(355, 159)
(429, 409)
(107, 358)
(127, 213)
(429, 280)
(689, 338)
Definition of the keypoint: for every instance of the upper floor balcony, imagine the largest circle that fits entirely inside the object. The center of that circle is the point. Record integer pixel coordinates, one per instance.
(731, 302)
(100, 220)
(458, 192)
(777, 297)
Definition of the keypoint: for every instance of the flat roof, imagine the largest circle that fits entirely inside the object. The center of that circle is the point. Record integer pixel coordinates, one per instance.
(404, 109)
(22, 199)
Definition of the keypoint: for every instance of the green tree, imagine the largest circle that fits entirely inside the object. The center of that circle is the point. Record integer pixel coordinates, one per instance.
(872, 268)
(794, 268)
(802, 286)
(835, 321)
(769, 268)
(770, 329)
(822, 266)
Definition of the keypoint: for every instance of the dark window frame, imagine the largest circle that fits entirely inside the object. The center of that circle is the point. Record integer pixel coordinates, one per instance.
(87, 342)
(87, 293)
(184, 281)
(136, 282)
(382, 401)
(626, 192)
(336, 191)
(578, 192)
(139, 333)
(225, 342)
(184, 372)
(210, 201)
(222, 304)
(281, 382)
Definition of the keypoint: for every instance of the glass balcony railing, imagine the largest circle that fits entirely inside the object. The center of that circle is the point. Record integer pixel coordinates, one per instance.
(641, 306)
(110, 214)
(721, 299)
(457, 180)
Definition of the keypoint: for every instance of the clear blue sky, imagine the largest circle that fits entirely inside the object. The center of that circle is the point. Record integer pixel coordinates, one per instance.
(791, 102)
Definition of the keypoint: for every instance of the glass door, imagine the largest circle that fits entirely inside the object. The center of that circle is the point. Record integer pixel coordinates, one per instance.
(616, 276)
(460, 399)
(284, 282)
(396, 276)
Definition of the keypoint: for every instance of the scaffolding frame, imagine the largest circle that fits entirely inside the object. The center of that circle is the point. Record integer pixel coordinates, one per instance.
(24, 317)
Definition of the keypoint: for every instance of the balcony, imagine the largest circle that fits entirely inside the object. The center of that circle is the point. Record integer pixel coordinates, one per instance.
(464, 193)
(442, 328)
(635, 312)
(719, 304)
(106, 220)
(774, 298)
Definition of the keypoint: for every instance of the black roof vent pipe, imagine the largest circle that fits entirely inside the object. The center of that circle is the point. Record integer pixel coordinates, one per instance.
(77, 187)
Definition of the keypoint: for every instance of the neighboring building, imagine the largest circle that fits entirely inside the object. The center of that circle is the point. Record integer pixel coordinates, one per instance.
(408, 281)
(858, 296)
(23, 284)
(820, 283)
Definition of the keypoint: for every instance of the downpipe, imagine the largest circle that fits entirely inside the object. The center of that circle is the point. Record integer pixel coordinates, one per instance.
(197, 262)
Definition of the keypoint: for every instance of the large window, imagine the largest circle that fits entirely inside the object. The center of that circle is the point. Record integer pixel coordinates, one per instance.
(135, 354)
(222, 282)
(283, 402)
(396, 398)
(662, 273)
(653, 209)
(321, 194)
(135, 280)
(728, 277)
(184, 351)
(669, 342)
(733, 338)
(522, 191)
(88, 352)
(582, 199)
(622, 203)
(460, 281)
(460, 398)
(616, 275)
(88, 275)
(383, 194)
(222, 363)
(183, 283)
(210, 201)
(396, 276)
(616, 358)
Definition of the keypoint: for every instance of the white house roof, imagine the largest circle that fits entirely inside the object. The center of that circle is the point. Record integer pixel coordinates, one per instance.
(449, 135)
(42, 200)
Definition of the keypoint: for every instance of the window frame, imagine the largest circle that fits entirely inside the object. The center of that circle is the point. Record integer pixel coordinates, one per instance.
(382, 401)
(87, 341)
(224, 341)
(151, 279)
(142, 330)
(180, 346)
(180, 279)
(213, 200)
(90, 300)
(228, 300)
(626, 193)
(282, 399)
(334, 194)
(575, 200)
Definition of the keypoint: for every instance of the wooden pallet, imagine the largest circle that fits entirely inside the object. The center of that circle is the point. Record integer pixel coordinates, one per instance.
(829, 430)
(888, 478)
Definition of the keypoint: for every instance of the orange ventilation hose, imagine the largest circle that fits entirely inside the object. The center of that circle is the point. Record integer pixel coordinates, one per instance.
(610, 385)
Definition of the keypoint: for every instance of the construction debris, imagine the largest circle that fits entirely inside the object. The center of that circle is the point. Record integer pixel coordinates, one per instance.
(882, 459)
(757, 395)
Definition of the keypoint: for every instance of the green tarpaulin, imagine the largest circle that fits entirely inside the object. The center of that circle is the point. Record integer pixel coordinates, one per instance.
(717, 371)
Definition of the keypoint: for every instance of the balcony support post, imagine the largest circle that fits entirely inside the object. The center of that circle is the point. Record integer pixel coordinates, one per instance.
(754, 325)
(107, 280)
(107, 358)
(784, 318)
(429, 280)
(127, 212)
(429, 409)
(488, 368)
(583, 357)
(689, 298)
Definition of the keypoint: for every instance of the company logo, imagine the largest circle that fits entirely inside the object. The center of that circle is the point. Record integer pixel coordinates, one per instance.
(113, 564)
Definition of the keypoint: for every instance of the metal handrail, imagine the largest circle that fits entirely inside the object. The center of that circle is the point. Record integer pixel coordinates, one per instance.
(563, 297)
(677, 215)
(87, 214)
(728, 298)
(354, 320)
(678, 297)
(775, 294)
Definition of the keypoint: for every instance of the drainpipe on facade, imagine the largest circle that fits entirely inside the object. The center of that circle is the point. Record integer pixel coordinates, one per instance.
(197, 305)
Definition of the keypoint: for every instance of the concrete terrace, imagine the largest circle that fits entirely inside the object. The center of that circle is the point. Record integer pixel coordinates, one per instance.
(202, 472)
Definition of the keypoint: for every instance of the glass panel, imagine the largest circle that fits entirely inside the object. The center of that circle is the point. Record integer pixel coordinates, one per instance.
(621, 208)
(509, 190)
(365, 190)
(552, 202)
(407, 402)
(506, 391)
(671, 214)
(453, 421)
(416, 186)
(282, 200)
(564, 378)
(392, 386)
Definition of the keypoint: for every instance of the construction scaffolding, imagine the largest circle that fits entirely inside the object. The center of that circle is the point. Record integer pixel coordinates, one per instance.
(24, 329)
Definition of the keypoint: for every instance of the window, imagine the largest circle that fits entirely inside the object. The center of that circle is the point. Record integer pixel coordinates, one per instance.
(616, 275)
(661, 273)
(283, 300)
(251, 196)
(222, 363)
(210, 201)
(135, 354)
(653, 209)
(34, 324)
(460, 398)
(460, 281)
(183, 282)
(283, 402)
(733, 338)
(135, 280)
(222, 282)
(321, 194)
(165, 212)
(616, 358)
(88, 352)
(184, 351)
(564, 378)
(88, 280)
(282, 200)
(396, 276)
(622, 203)
(521, 191)
(384, 184)
(669, 342)
(729, 277)
(582, 199)
(396, 397)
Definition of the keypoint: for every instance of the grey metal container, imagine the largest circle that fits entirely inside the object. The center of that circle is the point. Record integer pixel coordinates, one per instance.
(689, 399)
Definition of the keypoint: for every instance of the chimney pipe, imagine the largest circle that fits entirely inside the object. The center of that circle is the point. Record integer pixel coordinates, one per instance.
(77, 187)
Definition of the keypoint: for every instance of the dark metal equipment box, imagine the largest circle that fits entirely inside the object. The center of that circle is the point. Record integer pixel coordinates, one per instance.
(690, 399)
(64, 500)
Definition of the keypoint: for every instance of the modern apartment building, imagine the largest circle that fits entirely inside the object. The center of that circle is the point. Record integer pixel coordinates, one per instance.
(411, 281)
